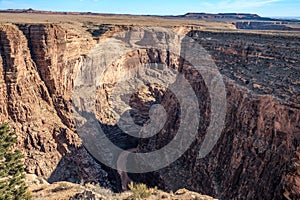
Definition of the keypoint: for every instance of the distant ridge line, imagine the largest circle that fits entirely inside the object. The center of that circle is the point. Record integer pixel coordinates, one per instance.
(191, 15)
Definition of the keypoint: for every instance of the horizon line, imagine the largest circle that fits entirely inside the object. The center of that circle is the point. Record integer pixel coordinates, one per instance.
(135, 14)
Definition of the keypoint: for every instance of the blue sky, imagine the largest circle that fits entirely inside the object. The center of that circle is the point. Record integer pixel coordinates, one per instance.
(276, 8)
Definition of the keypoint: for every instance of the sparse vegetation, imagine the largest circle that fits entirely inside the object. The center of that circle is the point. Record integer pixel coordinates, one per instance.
(61, 187)
(98, 189)
(71, 191)
(12, 175)
(139, 191)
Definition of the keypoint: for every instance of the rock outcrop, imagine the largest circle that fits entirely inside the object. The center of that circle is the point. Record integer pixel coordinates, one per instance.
(40, 189)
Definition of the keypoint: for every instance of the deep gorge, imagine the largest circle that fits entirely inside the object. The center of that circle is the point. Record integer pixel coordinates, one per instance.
(256, 157)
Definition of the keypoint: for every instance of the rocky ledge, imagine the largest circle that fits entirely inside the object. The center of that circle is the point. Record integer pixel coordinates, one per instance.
(41, 189)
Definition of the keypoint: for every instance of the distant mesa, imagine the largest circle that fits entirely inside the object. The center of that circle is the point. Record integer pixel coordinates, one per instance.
(240, 20)
(235, 16)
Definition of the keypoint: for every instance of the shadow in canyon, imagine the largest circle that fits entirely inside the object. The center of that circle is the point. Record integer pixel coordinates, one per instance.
(71, 165)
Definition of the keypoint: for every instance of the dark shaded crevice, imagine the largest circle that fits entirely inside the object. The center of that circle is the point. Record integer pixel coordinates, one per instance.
(37, 53)
(113, 175)
(26, 29)
(78, 166)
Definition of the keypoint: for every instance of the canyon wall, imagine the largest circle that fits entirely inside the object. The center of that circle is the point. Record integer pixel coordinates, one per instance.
(256, 157)
(37, 68)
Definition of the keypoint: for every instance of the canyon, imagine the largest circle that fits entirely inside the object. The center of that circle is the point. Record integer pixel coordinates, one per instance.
(256, 156)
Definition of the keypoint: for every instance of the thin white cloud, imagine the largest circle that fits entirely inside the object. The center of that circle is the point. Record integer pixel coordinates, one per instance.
(237, 4)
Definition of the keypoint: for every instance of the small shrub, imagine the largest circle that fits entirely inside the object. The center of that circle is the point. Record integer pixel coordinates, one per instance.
(98, 189)
(139, 191)
(61, 187)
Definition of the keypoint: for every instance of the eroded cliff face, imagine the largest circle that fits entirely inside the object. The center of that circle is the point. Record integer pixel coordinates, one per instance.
(37, 65)
(256, 157)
